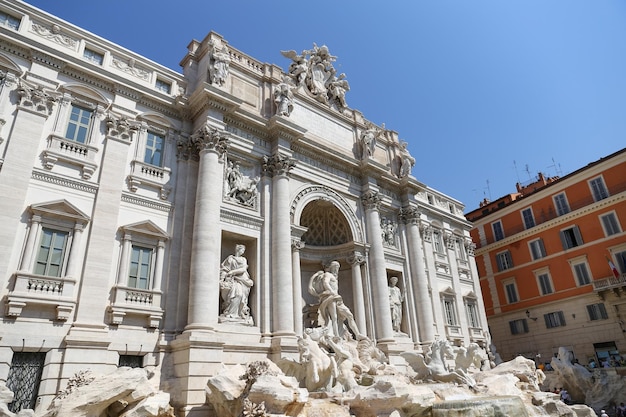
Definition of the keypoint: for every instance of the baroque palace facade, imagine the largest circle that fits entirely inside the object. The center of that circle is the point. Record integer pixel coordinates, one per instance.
(173, 220)
(552, 264)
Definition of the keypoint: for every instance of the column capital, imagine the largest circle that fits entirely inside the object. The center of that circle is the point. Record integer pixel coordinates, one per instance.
(296, 244)
(410, 215)
(450, 238)
(210, 139)
(371, 200)
(426, 230)
(37, 99)
(9, 79)
(278, 164)
(355, 258)
(470, 246)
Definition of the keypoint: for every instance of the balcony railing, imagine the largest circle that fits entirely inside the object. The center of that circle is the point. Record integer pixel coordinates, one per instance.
(609, 283)
(31, 289)
(72, 152)
(136, 302)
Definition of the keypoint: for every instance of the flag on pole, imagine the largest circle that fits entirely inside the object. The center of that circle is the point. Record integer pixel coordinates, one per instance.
(613, 268)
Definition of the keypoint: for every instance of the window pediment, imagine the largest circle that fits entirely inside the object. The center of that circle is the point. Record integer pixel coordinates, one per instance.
(60, 209)
(85, 92)
(146, 228)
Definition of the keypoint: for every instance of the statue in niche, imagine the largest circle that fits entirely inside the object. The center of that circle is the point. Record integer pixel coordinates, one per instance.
(219, 68)
(388, 231)
(368, 139)
(332, 312)
(283, 97)
(395, 301)
(235, 284)
(240, 188)
(407, 161)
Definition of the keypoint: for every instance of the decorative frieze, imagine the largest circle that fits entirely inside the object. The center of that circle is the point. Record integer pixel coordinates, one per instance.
(130, 67)
(53, 33)
(277, 165)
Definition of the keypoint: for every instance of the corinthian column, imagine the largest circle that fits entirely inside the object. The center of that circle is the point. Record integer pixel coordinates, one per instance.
(278, 166)
(356, 259)
(411, 217)
(205, 244)
(296, 246)
(380, 292)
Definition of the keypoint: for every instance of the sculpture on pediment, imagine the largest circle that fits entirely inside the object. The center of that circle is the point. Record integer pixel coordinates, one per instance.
(240, 188)
(219, 67)
(368, 139)
(313, 71)
(283, 97)
(235, 284)
(395, 301)
(407, 161)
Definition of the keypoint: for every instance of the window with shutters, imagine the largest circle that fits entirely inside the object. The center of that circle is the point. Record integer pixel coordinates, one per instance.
(598, 189)
(504, 260)
(581, 272)
(518, 326)
(510, 288)
(544, 282)
(537, 249)
(571, 237)
(555, 319)
(529, 219)
(610, 224)
(498, 231)
(597, 312)
(561, 204)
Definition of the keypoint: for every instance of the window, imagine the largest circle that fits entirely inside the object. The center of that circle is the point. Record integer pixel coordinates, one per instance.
(79, 124)
(472, 313)
(529, 219)
(581, 271)
(461, 252)
(597, 312)
(449, 311)
(9, 21)
(610, 224)
(620, 257)
(537, 249)
(504, 260)
(571, 237)
(93, 56)
(598, 189)
(51, 253)
(131, 361)
(140, 266)
(518, 326)
(437, 242)
(24, 379)
(498, 232)
(555, 319)
(545, 283)
(163, 86)
(154, 150)
(511, 292)
(560, 202)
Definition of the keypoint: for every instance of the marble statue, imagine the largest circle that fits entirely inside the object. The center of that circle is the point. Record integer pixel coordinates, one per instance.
(235, 284)
(388, 231)
(465, 357)
(219, 68)
(368, 139)
(395, 301)
(332, 312)
(313, 71)
(283, 97)
(407, 161)
(240, 188)
(432, 366)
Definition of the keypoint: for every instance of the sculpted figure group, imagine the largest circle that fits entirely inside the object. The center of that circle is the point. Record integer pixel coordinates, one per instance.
(238, 187)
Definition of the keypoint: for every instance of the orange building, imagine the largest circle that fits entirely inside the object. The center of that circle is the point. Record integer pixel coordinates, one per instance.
(545, 255)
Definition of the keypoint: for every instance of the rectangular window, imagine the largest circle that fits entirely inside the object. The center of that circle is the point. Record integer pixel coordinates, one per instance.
(620, 257)
(24, 379)
(598, 189)
(597, 312)
(518, 326)
(93, 56)
(139, 272)
(461, 253)
(511, 293)
(529, 219)
(78, 126)
(163, 86)
(545, 284)
(571, 237)
(437, 242)
(472, 314)
(504, 260)
(556, 319)
(582, 273)
(537, 249)
(9, 21)
(560, 202)
(131, 361)
(51, 252)
(154, 150)
(498, 231)
(448, 309)
(610, 224)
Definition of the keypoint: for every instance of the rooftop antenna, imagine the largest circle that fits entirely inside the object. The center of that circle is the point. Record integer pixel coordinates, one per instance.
(516, 173)
(528, 172)
(557, 168)
(489, 190)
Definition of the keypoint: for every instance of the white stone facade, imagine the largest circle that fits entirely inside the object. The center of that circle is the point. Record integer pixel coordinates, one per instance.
(125, 185)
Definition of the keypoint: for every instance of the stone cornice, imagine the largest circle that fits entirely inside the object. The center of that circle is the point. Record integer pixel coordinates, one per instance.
(65, 182)
(241, 218)
(572, 215)
(145, 202)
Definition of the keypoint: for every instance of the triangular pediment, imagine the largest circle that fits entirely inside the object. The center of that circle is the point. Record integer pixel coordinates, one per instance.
(470, 294)
(60, 209)
(447, 291)
(147, 228)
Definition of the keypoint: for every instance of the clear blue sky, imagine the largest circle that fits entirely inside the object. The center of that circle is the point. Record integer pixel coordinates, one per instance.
(476, 87)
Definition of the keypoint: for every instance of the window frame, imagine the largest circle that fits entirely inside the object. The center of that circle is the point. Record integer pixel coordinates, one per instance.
(438, 245)
(504, 260)
(471, 310)
(566, 237)
(514, 326)
(598, 192)
(86, 139)
(138, 278)
(525, 218)
(498, 230)
(47, 262)
(450, 315)
(89, 53)
(160, 82)
(554, 319)
(561, 204)
(597, 311)
(510, 291)
(10, 21)
(148, 159)
(615, 226)
(574, 263)
(537, 244)
(544, 281)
